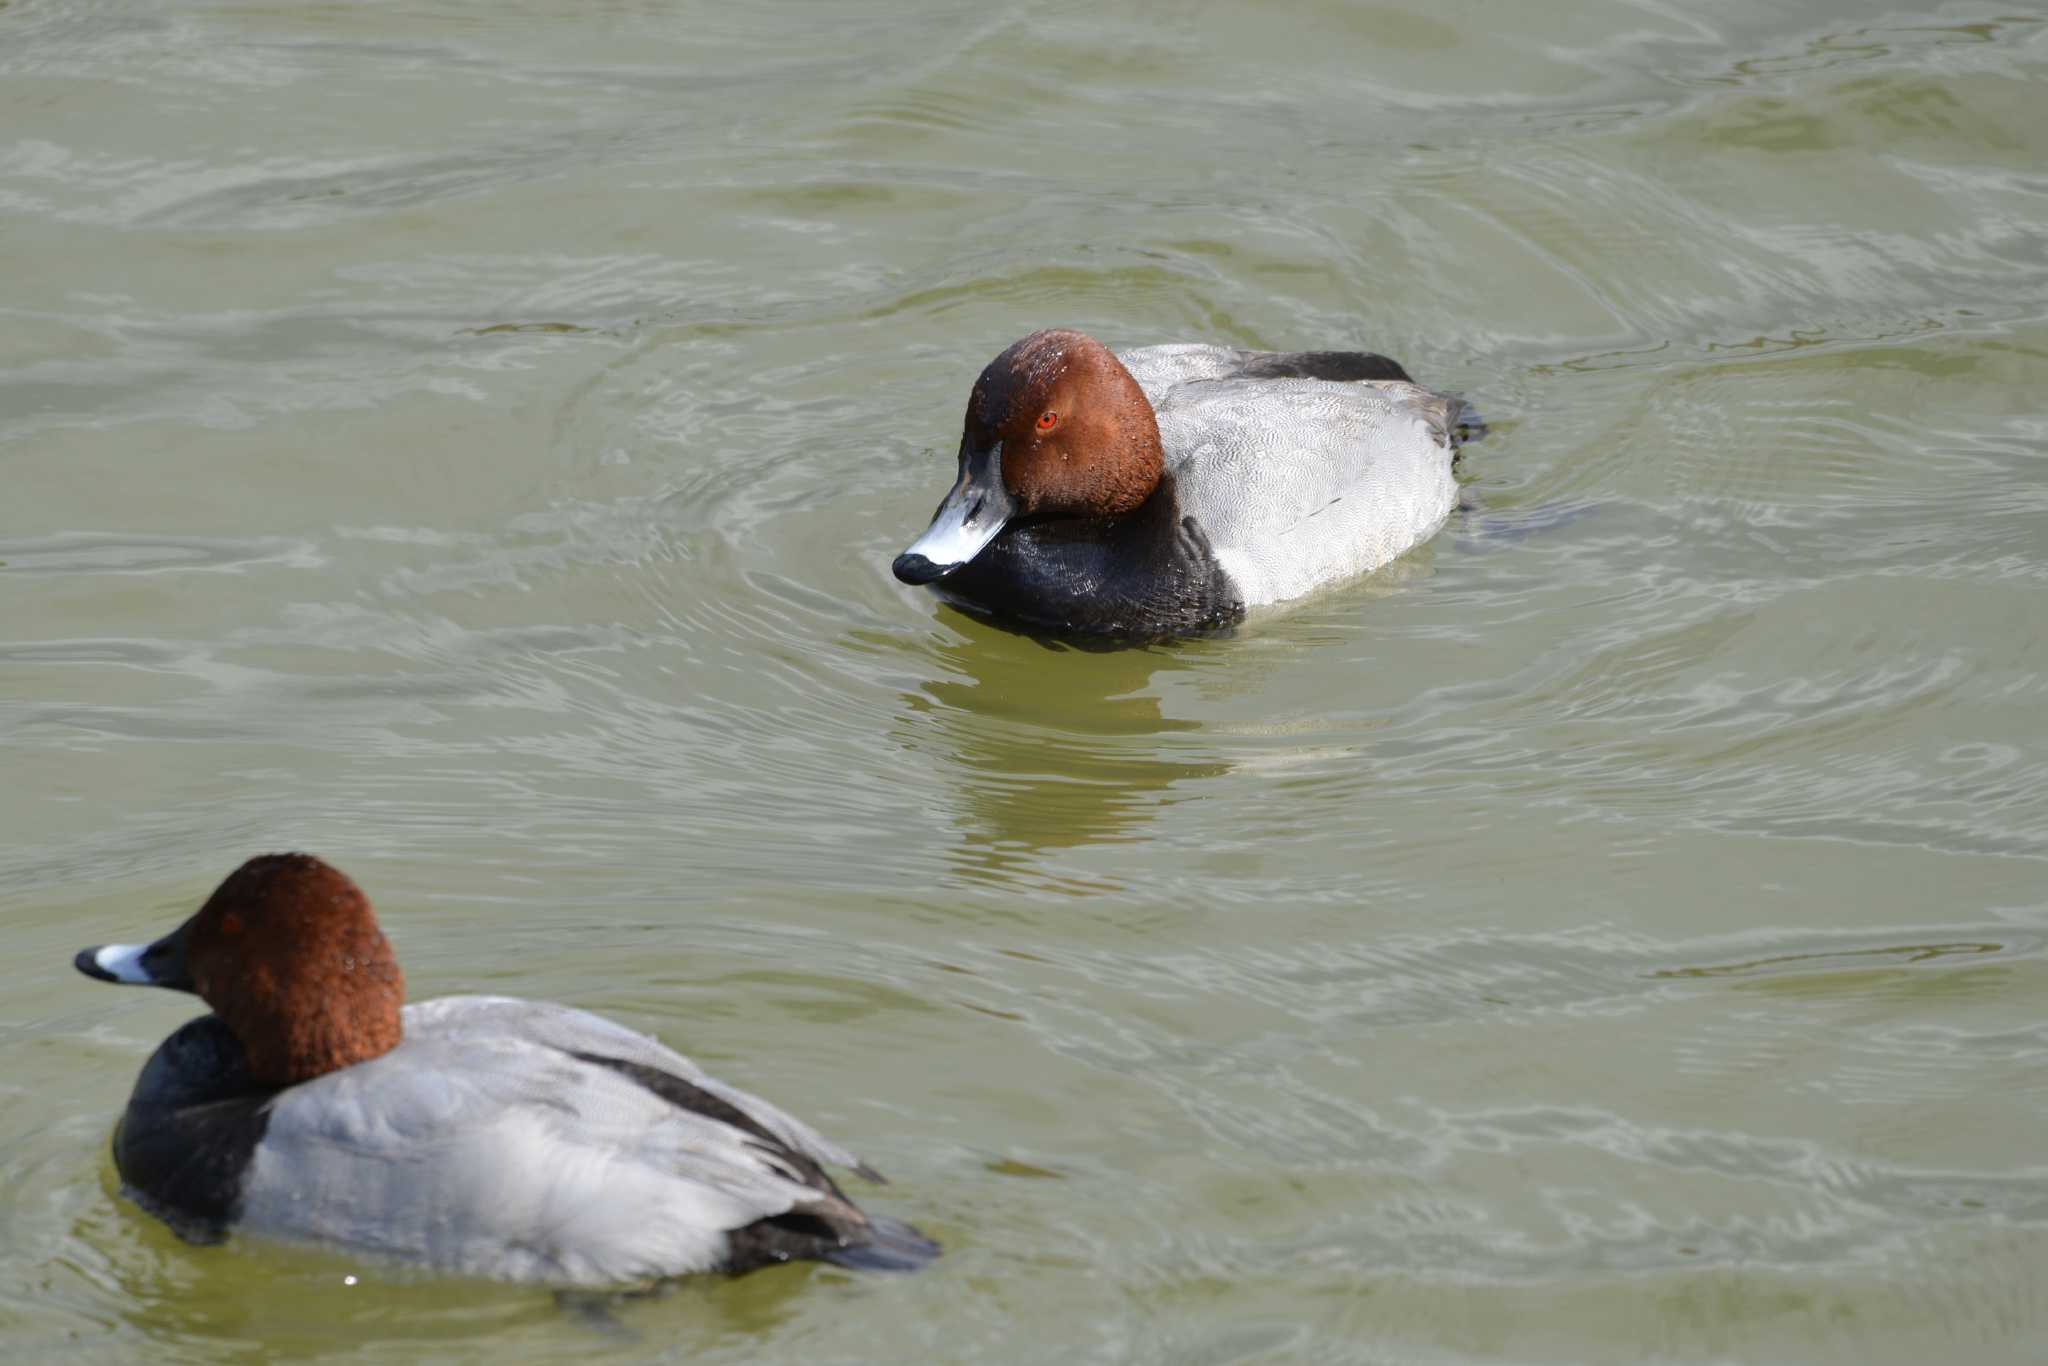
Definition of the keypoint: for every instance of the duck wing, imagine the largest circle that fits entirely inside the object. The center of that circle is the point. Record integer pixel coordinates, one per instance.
(528, 1141)
(1300, 482)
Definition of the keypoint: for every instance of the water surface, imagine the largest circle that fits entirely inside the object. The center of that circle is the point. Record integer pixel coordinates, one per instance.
(469, 441)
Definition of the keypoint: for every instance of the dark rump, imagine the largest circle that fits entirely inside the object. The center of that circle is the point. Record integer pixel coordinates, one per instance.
(817, 1233)
(830, 1228)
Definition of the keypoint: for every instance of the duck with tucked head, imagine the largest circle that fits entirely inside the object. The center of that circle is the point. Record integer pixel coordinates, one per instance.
(1162, 491)
(480, 1135)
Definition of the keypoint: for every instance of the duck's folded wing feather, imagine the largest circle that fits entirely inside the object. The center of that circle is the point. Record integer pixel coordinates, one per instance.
(1299, 481)
(569, 1030)
(1161, 369)
(505, 1154)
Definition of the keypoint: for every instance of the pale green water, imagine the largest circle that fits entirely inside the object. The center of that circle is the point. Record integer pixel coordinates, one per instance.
(468, 441)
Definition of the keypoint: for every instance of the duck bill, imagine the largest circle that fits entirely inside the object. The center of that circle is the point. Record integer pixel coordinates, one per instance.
(161, 964)
(969, 518)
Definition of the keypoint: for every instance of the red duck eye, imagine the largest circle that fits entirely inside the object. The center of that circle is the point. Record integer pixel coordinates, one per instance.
(1048, 420)
(231, 923)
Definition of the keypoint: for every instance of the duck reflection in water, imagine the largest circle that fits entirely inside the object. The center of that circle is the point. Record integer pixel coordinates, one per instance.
(1053, 748)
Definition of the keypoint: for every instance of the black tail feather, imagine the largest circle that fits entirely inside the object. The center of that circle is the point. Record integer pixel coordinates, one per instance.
(1466, 423)
(891, 1245)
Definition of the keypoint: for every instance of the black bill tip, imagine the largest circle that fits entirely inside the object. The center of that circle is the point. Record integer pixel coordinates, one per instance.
(88, 962)
(917, 569)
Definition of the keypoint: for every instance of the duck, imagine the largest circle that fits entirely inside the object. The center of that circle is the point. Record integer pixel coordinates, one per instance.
(484, 1136)
(1163, 491)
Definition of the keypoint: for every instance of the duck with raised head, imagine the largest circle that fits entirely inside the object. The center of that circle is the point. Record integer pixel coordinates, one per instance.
(480, 1135)
(1163, 491)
